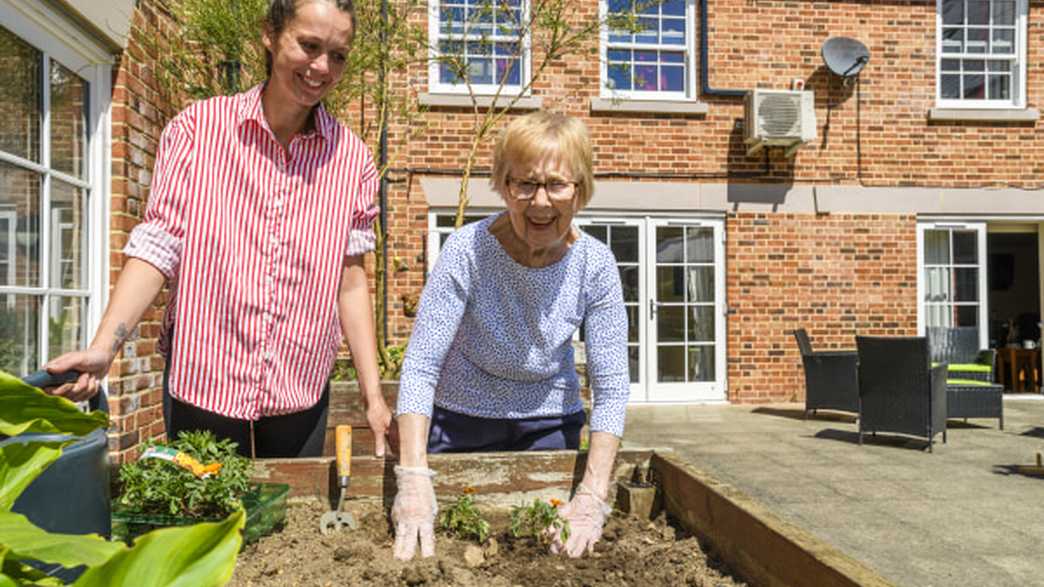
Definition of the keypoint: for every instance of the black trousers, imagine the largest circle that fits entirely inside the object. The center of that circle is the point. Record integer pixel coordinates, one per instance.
(300, 434)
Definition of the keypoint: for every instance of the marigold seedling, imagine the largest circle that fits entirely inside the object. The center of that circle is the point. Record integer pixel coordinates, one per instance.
(463, 520)
(534, 521)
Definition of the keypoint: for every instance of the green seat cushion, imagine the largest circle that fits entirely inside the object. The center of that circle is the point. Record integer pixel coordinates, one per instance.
(969, 382)
(969, 367)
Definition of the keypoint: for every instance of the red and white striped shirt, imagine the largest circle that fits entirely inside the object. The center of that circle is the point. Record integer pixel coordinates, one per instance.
(253, 241)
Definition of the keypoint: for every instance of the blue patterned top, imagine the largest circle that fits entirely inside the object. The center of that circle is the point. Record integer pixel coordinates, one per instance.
(493, 338)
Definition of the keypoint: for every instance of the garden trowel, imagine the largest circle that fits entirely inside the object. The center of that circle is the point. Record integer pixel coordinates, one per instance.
(336, 519)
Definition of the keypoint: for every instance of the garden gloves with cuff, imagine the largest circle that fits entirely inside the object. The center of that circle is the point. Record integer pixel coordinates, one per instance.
(586, 514)
(413, 512)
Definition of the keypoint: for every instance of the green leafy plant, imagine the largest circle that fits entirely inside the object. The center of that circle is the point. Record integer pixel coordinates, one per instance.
(160, 487)
(463, 520)
(203, 555)
(344, 370)
(534, 521)
(391, 367)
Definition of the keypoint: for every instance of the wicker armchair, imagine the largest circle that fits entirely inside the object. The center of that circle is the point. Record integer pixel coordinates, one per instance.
(899, 390)
(831, 380)
(959, 348)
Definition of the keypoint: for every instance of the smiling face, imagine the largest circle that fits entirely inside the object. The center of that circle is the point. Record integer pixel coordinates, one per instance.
(543, 224)
(309, 55)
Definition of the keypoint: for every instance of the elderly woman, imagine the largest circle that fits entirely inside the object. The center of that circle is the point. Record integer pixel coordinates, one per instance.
(490, 363)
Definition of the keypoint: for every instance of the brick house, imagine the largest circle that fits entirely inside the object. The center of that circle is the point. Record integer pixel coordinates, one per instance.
(919, 201)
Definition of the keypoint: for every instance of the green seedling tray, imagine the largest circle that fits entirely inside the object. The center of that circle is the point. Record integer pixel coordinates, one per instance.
(265, 507)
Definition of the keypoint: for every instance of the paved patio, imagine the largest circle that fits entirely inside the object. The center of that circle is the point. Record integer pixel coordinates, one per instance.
(955, 517)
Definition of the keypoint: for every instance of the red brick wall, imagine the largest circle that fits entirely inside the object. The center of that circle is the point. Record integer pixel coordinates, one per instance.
(754, 43)
(139, 114)
(766, 43)
(835, 275)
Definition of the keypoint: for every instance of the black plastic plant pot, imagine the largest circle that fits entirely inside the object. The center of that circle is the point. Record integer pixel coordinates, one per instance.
(72, 495)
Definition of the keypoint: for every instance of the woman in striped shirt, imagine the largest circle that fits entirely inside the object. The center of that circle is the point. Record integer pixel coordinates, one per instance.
(258, 217)
(490, 362)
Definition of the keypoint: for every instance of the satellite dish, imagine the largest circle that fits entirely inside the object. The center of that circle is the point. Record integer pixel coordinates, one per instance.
(845, 56)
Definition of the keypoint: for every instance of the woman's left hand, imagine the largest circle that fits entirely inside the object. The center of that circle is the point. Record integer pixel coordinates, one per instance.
(586, 514)
(385, 433)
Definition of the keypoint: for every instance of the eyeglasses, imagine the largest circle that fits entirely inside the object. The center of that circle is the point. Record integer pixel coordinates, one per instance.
(556, 189)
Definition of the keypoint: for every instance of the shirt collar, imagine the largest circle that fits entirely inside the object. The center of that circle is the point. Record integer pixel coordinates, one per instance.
(250, 109)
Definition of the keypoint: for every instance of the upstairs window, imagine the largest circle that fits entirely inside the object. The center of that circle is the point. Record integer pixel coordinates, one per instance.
(647, 49)
(981, 53)
(483, 43)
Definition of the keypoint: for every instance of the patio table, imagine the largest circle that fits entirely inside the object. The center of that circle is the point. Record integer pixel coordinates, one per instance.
(968, 398)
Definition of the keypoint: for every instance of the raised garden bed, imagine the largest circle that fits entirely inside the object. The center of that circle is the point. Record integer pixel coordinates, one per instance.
(632, 552)
(705, 527)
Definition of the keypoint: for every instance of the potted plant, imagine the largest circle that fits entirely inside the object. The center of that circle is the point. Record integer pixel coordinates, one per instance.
(192, 479)
(202, 554)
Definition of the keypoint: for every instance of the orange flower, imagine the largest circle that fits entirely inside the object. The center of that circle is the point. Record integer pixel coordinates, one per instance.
(556, 502)
(468, 490)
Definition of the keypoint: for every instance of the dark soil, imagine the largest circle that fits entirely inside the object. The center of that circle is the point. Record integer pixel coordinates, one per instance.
(632, 552)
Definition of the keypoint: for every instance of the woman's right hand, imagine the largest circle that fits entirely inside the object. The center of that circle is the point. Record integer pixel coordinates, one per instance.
(413, 512)
(92, 363)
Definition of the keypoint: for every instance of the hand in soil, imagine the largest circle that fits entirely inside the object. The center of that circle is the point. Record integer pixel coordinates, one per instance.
(413, 512)
(586, 514)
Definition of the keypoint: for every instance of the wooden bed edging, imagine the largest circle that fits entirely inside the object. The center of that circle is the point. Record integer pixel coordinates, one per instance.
(507, 474)
(762, 548)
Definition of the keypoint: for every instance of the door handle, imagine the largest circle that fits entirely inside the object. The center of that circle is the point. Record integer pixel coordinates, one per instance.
(652, 308)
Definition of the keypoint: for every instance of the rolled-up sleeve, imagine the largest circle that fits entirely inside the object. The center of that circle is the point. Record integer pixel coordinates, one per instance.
(606, 345)
(362, 239)
(158, 238)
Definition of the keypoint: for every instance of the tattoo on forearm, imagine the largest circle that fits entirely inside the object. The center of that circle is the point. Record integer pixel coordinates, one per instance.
(121, 335)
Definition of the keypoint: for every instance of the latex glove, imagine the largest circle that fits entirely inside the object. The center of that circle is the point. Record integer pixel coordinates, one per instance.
(413, 512)
(586, 514)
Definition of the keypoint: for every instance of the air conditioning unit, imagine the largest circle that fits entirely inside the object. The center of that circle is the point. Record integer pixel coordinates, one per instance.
(779, 118)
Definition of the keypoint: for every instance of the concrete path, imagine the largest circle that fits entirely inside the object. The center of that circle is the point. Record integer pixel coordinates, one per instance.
(954, 517)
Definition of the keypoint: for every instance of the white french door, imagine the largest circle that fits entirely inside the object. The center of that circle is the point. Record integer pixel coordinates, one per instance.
(672, 273)
(686, 318)
(951, 284)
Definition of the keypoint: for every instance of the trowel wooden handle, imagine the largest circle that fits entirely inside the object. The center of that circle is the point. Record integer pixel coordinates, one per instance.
(343, 444)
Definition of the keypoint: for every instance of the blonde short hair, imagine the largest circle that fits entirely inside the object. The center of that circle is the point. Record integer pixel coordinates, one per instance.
(528, 139)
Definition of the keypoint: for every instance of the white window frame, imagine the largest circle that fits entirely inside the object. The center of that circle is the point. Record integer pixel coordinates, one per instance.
(58, 38)
(435, 231)
(981, 264)
(1017, 59)
(688, 48)
(435, 86)
(7, 242)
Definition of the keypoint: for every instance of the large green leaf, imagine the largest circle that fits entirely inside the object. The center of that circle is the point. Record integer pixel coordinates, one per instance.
(27, 541)
(24, 408)
(189, 556)
(20, 463)
(16, 573)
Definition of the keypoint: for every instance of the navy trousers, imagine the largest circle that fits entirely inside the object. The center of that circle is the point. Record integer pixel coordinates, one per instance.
(455, 432)
(300, 434)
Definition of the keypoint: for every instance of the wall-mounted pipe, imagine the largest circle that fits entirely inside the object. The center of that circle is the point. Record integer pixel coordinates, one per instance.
(382, 192)
(705, 88)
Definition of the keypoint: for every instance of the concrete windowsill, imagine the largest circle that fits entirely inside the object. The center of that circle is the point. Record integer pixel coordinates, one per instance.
(464, 101)
(650, 106)
(985, 114)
